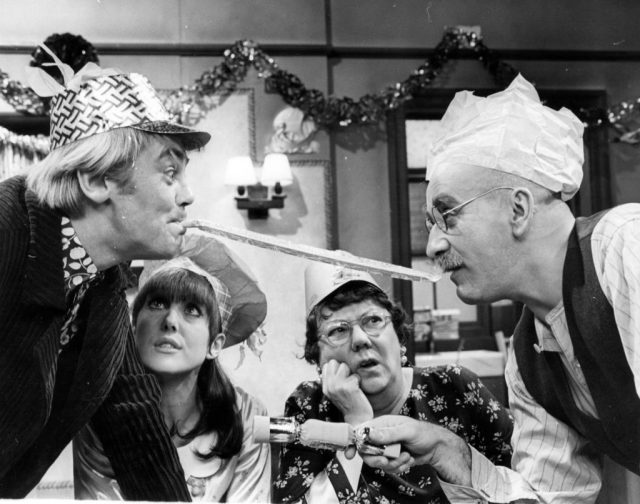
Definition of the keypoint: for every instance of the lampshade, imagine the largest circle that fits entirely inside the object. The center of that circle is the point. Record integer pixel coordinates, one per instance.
(276, 169)
(240, 172)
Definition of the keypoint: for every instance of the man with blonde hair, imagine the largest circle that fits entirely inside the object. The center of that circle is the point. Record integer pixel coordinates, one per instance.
(112, 189)
(499, 178)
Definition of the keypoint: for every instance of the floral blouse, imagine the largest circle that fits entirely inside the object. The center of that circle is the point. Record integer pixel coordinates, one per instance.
(450, 395)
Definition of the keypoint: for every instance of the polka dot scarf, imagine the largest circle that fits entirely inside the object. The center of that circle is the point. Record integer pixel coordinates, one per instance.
(79, 272)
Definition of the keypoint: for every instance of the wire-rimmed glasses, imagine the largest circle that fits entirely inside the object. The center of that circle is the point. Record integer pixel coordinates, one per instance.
(439, 218)
(338, 332)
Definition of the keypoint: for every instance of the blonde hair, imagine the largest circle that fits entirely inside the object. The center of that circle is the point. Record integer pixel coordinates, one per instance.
(54, 179)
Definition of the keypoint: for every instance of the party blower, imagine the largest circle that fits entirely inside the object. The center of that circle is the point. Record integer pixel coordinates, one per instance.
(318, 434)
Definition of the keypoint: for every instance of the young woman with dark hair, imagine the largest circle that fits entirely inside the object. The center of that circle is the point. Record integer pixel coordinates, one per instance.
(183, 317)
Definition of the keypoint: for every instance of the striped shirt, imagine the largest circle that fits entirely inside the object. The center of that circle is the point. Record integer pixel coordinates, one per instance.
(551, 462)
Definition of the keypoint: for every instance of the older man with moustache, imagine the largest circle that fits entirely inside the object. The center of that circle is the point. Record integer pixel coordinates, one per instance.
(499, 178)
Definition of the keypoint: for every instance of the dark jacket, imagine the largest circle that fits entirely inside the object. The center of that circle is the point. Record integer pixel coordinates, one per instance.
(46, 397)
(598, 349)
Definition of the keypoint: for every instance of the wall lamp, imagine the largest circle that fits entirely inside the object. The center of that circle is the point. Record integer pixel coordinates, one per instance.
(259, 197)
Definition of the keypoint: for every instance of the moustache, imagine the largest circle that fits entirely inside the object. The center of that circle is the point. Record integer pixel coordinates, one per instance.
(450, 261)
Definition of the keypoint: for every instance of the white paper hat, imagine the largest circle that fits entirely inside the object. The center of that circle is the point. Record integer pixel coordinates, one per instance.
(322, 279)
(513, 132)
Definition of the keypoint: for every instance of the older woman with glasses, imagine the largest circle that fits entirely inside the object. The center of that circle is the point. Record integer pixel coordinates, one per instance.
(356, 334)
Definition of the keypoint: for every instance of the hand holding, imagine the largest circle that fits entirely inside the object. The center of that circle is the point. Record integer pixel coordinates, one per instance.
(425, 443)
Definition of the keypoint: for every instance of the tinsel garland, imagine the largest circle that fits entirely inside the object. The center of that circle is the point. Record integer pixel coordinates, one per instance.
(20, 97)
(331, 111)
(189, 104)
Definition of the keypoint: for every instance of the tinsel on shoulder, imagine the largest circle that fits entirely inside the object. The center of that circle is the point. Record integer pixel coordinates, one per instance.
(190, 103)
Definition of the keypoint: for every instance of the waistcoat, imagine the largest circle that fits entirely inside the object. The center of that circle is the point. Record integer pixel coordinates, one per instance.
(598, 349)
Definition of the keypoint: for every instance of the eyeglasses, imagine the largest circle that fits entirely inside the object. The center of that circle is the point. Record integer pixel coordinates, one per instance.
(439, 218)
(338, 332)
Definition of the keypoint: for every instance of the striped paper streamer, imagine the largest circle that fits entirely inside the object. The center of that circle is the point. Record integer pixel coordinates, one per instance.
(336, 257)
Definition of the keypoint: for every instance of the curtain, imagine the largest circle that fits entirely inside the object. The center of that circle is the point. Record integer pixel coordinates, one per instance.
(17, 152)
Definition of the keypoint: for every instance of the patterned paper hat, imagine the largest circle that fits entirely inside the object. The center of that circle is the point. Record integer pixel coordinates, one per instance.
(241, 302)
(513, 132)
(96, 100)
(322, 279)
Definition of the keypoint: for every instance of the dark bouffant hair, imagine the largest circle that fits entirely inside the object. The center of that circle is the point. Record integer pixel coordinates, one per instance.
(347, 294)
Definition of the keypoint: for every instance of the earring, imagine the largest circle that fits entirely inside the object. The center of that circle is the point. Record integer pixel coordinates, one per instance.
(403, 356)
